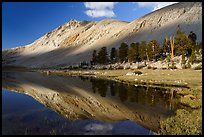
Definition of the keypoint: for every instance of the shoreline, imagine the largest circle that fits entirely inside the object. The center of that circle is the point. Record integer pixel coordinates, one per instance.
(121, 75)
(188, 81)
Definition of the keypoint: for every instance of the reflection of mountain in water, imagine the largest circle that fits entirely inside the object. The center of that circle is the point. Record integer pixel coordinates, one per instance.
(93, 98)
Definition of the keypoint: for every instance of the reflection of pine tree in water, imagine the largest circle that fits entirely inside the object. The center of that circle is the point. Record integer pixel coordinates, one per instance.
(94, 88)
(113, 88)
(154, 96)
(145, 95)
(141, 95)
(151, 96)
(132, 93)
(148, 95)
(171, 100)
(99, 85)
(102, 87)
(164, 99)
(136, 94)
(83, 78)
(153, 103)
(122, 92)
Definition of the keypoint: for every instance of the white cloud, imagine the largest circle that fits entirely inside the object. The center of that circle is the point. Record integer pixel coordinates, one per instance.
(99, 127)
(100, 13)
(99, 5)
(154, 5)
(100, 9)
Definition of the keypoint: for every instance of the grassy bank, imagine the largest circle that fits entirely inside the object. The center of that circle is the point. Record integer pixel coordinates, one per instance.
(185, 121)
(176, 78)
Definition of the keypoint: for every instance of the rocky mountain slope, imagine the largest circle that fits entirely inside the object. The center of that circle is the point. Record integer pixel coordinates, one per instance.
(74, 41)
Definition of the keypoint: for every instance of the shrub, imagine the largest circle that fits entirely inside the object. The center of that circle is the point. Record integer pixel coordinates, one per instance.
(161, 59)
(111, 68)
(120, 67)
(192, 57)
(183, 61)
(188, 65)
(137, 72)
(199, 67)
(140, 67)
(128, 67)
(168, 58)
(149, 67)
(154, 68)
(173, 65)
(183, 66)
(197, 61)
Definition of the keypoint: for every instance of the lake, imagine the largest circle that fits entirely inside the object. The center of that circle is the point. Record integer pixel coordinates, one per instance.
(34, 103)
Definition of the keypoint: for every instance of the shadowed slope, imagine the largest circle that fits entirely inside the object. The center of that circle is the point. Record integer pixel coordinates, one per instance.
(74, 42)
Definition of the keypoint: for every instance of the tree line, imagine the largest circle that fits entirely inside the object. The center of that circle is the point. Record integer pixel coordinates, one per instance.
(181, 44)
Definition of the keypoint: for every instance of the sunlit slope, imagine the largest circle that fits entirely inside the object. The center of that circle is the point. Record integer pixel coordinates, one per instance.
(74, 41)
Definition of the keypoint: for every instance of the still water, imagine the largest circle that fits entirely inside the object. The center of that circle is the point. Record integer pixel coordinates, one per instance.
(34, 103)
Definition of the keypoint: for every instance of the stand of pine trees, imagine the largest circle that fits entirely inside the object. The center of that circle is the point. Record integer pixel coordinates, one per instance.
(181, 44)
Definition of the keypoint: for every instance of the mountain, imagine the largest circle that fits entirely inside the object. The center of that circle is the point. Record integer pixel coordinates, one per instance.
(74, 41)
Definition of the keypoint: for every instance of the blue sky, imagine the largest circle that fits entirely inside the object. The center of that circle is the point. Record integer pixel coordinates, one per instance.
(24, 22)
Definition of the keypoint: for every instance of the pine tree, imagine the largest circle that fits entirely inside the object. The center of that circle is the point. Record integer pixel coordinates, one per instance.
(183, 61)
(133, 52)
(192, 36)
(142, 50)
(166, 46)
(153, 50)
(102, 56)
(182, 43)
(192, 39)
(137, 52)
(94, 58)
(168, 59)
(123, 52)
(113, 55)
(117, 55)
(192, 57)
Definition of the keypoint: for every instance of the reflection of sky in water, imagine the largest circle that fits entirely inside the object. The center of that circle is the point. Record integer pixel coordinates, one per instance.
(14, 102)
(124, 127)
(21, 114)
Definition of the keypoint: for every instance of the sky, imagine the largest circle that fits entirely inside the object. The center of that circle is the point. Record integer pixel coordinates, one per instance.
(24, 22)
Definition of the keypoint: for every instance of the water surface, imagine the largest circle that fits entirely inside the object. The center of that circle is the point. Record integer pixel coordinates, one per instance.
(33, 103)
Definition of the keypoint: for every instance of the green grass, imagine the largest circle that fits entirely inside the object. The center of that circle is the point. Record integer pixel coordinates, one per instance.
(184, 123)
